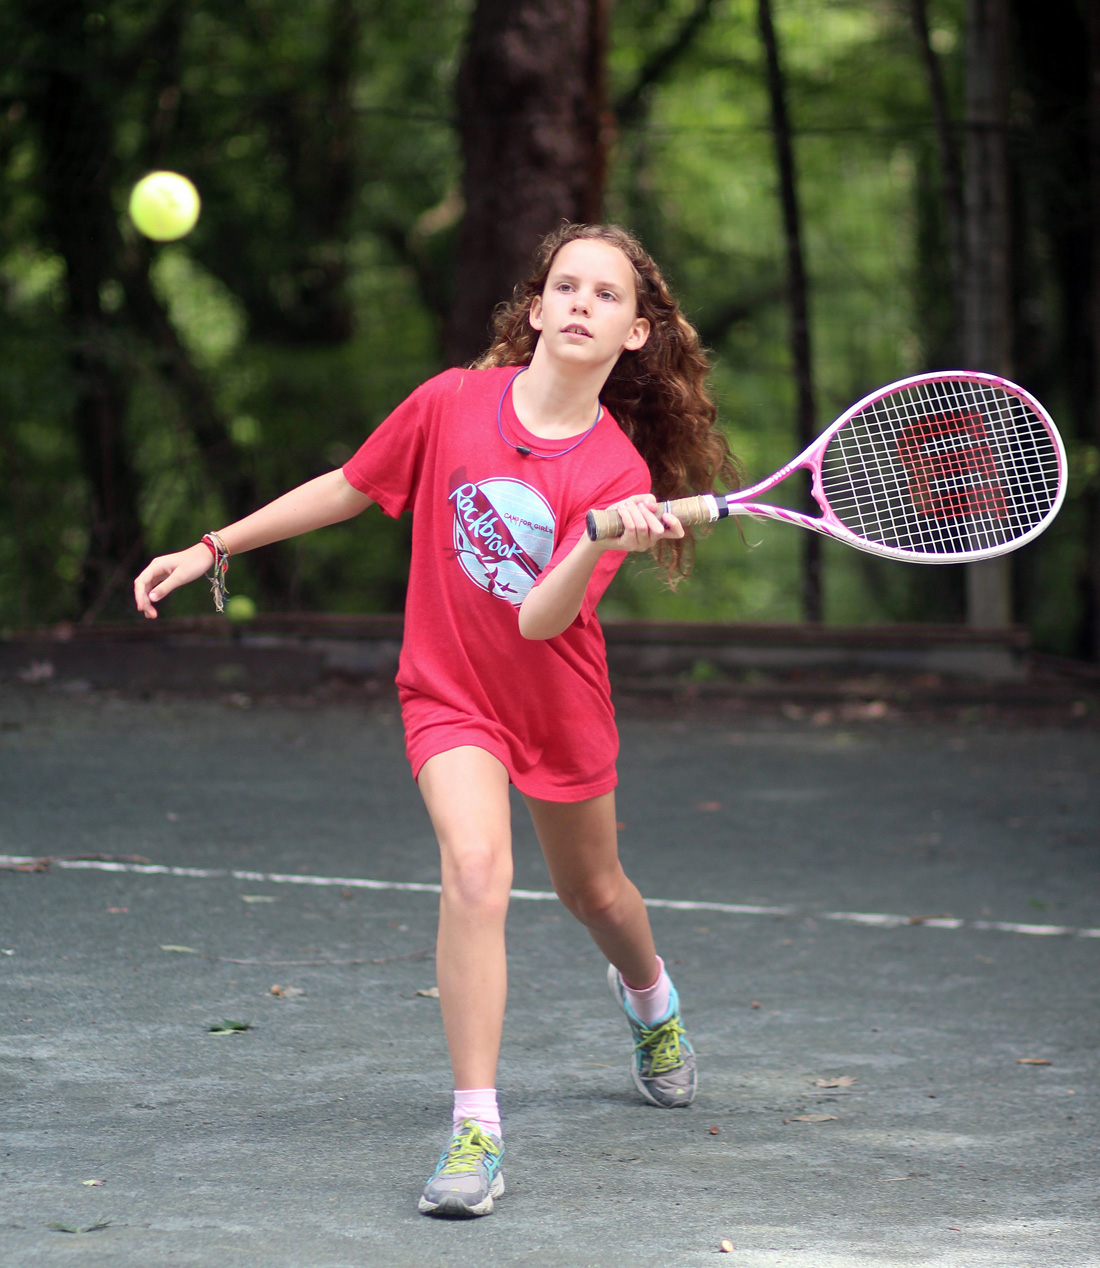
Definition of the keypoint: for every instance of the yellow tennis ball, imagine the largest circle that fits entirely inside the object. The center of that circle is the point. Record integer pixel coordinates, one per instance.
(239, 607)
(164, 206)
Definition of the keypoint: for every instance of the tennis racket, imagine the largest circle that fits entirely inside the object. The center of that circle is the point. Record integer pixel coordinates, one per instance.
(939, 468)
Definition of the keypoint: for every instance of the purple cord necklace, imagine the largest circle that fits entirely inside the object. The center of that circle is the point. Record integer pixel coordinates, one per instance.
(525, 451)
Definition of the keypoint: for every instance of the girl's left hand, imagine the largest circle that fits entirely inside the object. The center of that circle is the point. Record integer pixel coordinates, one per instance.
(643, 526)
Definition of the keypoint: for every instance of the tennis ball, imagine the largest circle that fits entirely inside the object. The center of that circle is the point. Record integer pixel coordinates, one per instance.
(164, 206)
(239, 607)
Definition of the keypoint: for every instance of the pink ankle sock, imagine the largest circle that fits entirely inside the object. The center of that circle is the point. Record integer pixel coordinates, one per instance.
(480, 1104)
(650, 1003)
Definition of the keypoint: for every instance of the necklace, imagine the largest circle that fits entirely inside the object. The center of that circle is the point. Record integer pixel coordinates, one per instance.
(525, 451)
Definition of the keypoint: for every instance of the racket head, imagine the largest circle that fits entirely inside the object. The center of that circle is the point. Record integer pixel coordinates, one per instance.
(948, 467)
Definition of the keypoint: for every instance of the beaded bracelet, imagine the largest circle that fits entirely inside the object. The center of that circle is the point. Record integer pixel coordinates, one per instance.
(217, 548)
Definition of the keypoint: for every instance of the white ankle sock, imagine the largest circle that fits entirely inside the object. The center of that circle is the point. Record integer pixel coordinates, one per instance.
(651, 1003)
(480, 1104)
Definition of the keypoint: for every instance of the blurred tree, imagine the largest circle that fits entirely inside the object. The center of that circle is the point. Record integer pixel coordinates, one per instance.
(1057, 156)
(533, 125)
(798, 295)
(68, 96)
(951, 171)
(987, 291)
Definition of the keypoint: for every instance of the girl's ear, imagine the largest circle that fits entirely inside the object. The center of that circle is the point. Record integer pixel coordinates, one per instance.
(534, 317)
(639, 333)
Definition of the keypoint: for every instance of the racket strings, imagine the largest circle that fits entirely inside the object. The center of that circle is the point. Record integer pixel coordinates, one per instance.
(942, 467)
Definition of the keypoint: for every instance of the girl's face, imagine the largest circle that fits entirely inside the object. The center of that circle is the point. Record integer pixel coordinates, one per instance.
(588, 311)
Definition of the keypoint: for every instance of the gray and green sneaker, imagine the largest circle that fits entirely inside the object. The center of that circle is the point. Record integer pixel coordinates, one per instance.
(468, 1176)
(664, 1061)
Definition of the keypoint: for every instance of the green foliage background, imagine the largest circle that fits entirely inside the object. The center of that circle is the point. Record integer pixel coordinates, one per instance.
(693, 172)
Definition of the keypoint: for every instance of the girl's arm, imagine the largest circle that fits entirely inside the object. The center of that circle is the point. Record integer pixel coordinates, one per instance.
(552, 606)
(326, 500)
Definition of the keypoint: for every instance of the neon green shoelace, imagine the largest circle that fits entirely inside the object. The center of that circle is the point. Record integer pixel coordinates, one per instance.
(468, 1148)
(662, 1046)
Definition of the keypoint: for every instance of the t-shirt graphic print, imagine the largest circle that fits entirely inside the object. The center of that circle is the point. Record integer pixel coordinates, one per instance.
(503, 535)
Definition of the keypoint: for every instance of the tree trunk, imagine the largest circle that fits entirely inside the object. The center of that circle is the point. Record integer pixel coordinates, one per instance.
(797, 294)
(533, 131)
(1092, 496)
(1059, 54)
(951, 167)
(75, 185)
(987, 307)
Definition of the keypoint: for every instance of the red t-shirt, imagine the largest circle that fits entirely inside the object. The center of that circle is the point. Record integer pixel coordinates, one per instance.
(488, 525)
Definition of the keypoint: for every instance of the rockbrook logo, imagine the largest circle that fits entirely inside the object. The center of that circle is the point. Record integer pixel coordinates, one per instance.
(503, 535)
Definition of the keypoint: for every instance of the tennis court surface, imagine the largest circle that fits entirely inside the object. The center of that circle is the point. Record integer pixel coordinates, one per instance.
(885, 931)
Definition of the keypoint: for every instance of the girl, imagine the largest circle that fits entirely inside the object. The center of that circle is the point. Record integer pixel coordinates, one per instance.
(591, 395)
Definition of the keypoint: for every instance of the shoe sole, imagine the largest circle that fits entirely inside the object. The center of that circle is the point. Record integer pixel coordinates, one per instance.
(453, 1208)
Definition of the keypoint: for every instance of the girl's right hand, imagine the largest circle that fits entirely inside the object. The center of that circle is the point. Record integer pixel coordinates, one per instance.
(167, 573)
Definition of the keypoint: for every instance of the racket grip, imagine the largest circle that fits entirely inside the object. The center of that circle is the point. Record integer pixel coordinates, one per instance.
(698, 510)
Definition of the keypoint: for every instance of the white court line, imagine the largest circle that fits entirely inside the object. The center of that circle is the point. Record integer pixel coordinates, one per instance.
(872, 919)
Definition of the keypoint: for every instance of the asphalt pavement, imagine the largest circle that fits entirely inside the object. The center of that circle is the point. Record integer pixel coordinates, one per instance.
(885, 931)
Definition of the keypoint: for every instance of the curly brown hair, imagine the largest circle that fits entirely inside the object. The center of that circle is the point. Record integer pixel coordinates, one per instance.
(657, 394)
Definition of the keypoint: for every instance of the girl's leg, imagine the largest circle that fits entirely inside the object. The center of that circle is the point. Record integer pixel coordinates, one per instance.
(580, 843)
(466, 792)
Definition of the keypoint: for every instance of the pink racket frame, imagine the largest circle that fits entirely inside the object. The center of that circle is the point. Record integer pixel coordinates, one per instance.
(812, 458)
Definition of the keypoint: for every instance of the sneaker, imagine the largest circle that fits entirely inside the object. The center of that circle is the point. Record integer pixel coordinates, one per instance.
(664, 1061)
(468, 1175)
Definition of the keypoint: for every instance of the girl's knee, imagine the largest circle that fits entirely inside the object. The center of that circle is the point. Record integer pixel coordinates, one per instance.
(478, 879)
(594, 902)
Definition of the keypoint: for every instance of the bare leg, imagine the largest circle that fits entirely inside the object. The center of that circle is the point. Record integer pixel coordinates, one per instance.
(580, 843)
(466, 792)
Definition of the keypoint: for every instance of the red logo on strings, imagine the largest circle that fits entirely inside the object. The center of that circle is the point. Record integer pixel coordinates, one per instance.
(952, 471)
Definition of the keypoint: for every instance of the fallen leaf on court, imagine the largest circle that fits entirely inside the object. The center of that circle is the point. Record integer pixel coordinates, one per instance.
(845, 1080)
(755, 1004)
(228, 1027)
(287, 992)
(429, 992)
(714, 1131)
(36, 671)
(725, 1246)
(812, 1118)
(708, 805)
(72, 1228)
(169, 946)
(94, 1184)
(867, 711)
(1032, 1061)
